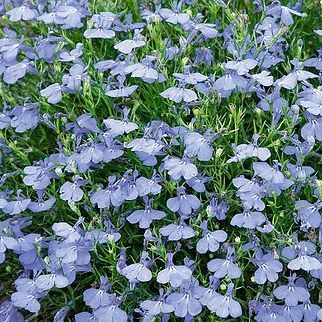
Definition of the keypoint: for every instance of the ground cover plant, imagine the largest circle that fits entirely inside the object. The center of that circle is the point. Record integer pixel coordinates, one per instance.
(160, 161)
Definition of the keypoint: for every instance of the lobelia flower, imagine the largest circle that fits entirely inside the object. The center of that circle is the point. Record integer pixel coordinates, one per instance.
(170, 52)
(61, 314)
(71, 191)
(181, 93)
(264, 78)
(102, 26)
(25, 117)
(3, 199)
(76, 252)
(311, 101)
(103, 236)
(197, 183)
(225, 267)
(48, 281)
(177, 231)
(217, 208)
(283, 12)
(146, 186)
(111, 312)
(91, 153)
(68, 233)
(186, 301)
(291, 293)
(17, 70)
(315, 62)
(73, 55)
(241, 66)
(10, 40)
(70, 16)
(308, 312)
(126, 189)
(225, 305)
(145, 70)
(27, 295)
(300, 173)
(47, 47)
(96, 298)
(25, 283)
(121, 261)
(6, 242)
(128, 25)
(189, 78)
(41, 204)
(230, 82)
(297, 75)
(7, 175)
(28, 250)
(53, 93)
(178, 168)
(5, 118)
(207, 30)
(72, 83)
(143, 315)
(318, 32)
(308, 214)
(117, 66)
(139, 271)
(298, 149)
(117, 127)
(267, 310)
(8, 312)
(15, 207)
(146, 149)
(203, 56)
(250, 192)
(113, 149)
(157, 306)
(121, 90)
(248, 219)
(105, 197)
(268, 267)
(175, 15)
(199, 146)
(311, 131)
(21, 13)
(275, 180)
(274, 99)
(38, 176)
(146, 216)
(210, 293)
(243, 151)
(293, 313)
(183, 203)
(126, 46)
(274, 56)
(175, 275)
(300, 256)
(270, 34)
(151, 17)
(210, 240)
(85, 317)
(84, 124)
(266, 228)
(26, 301)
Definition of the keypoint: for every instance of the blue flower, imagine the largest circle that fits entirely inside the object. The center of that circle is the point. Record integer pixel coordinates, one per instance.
(173, 274)
(225, 305)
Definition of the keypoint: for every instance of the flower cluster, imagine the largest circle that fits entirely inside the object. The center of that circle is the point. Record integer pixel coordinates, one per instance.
(159, 164)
